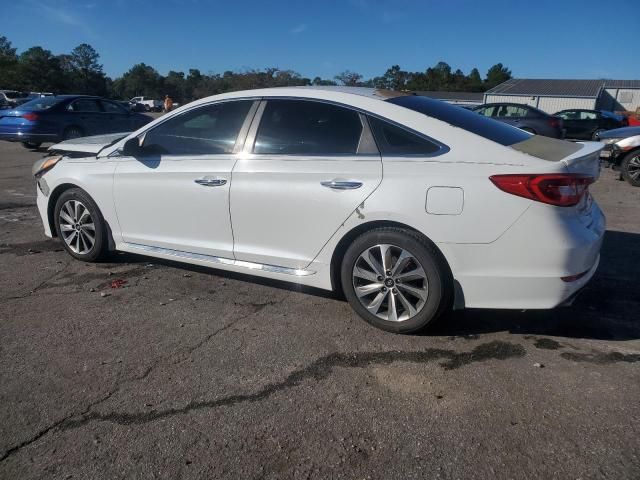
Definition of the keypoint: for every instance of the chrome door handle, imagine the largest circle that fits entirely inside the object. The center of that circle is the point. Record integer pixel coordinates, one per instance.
(211, 182)
(341, 184)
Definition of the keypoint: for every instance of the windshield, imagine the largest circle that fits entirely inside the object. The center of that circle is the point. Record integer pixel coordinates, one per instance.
(42, 103)
(460, 117)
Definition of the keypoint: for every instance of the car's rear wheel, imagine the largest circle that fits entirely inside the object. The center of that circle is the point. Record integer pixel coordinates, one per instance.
(80, 226)
(630, 168)
(396, 280)
(596, 134)
(31, 145)
(72, 132)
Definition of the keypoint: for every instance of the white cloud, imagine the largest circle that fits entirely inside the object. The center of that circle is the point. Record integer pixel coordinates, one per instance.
(298, 29)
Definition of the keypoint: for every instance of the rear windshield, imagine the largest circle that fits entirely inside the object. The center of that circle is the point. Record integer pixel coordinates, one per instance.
(42, 103)
(15, 94)
(460, 117)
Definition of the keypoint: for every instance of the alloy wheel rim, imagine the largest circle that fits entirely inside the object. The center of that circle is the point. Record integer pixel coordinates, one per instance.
(390, 282)
(76, 227)
(633, 167)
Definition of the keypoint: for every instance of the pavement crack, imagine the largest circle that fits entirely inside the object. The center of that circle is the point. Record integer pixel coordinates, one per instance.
(37, 287)
(318, 370)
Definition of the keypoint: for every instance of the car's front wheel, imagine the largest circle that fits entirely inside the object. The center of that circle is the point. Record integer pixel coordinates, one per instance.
(80, 226)
(31, 145)
(396, 280)
(630, 168)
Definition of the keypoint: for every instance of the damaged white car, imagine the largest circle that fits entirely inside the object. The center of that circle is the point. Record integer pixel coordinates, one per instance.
(407, 205)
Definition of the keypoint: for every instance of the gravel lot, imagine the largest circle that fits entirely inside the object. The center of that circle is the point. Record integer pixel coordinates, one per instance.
(190, 373)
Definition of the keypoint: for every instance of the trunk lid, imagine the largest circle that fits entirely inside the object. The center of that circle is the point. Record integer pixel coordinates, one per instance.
(577, 157)
(91, 145)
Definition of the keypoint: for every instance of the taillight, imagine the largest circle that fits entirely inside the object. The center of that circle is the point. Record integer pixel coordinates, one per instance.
(555, 122)
(32, 117)
(559, 189)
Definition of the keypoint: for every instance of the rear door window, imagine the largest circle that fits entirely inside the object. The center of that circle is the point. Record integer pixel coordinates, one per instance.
(299, 127)
(110, 107)
(511, 111)
(212, 129)
(85, 105)
(394, 140)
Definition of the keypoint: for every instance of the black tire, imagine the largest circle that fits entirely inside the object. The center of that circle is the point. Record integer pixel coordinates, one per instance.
(31, 145)
(596, 134)
(630, 168)
(100, 246)
(72, 132)
(438, 277)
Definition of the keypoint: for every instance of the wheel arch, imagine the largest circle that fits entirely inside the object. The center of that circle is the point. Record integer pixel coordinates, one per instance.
(51, 205)
(346, 240)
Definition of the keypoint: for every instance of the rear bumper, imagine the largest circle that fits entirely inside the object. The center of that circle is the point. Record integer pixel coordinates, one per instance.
(524, 268)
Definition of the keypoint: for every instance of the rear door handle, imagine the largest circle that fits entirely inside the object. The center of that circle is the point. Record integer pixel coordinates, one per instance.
(341, 184)
(211, 182)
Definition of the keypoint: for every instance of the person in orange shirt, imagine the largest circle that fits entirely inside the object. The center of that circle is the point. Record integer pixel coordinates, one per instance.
(168, 103)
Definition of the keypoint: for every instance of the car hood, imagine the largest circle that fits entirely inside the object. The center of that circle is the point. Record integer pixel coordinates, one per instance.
(88, 144)
(620, 132)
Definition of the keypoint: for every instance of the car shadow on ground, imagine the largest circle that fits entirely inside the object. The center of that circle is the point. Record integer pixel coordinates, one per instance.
(607, 309)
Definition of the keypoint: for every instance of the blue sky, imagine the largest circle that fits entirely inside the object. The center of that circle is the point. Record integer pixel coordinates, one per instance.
(536, 38)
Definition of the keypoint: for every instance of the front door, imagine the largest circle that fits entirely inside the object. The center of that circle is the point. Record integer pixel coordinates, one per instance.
(175, 193)
(87, 115)
(307, 166)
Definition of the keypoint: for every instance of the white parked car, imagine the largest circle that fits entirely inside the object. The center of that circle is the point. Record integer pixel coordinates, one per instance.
(150, 105)
(406, 204)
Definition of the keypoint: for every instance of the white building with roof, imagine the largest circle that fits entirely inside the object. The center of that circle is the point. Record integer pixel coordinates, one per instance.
(553, 95)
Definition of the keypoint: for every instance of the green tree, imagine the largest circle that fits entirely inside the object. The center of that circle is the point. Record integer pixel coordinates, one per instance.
(8, 64)
(39, 70)
(393, 79)
(141, 79)
(349, 78)
(475, 81)
(175, 86)
(322, 82)
(88, 76)
(497, 75)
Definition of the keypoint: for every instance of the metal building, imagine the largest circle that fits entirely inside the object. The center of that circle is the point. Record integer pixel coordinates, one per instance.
(621, 95)
(552, 95)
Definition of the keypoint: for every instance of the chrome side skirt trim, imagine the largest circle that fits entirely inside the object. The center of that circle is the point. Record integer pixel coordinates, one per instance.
(220, 260)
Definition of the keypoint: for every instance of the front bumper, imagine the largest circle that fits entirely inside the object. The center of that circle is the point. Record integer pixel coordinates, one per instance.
(42, 202)
(610, 153)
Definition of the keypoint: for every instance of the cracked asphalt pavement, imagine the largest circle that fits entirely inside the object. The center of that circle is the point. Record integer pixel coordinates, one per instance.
(185, 372)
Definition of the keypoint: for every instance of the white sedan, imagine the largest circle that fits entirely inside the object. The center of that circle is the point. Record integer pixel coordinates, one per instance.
(407, 205)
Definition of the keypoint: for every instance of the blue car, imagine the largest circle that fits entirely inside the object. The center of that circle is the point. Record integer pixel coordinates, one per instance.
(62, 117)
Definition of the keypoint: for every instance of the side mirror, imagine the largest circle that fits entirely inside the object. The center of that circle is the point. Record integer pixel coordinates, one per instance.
(132, 148)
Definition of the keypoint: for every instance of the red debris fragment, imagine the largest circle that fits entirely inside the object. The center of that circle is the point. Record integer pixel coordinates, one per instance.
(117, 283)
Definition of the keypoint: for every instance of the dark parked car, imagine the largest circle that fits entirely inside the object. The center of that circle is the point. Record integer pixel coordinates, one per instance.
(525, 117)
(56, 118)
(587, 124)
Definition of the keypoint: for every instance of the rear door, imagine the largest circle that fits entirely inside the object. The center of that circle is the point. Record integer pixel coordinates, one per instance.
(306, 167)
(116, 118)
